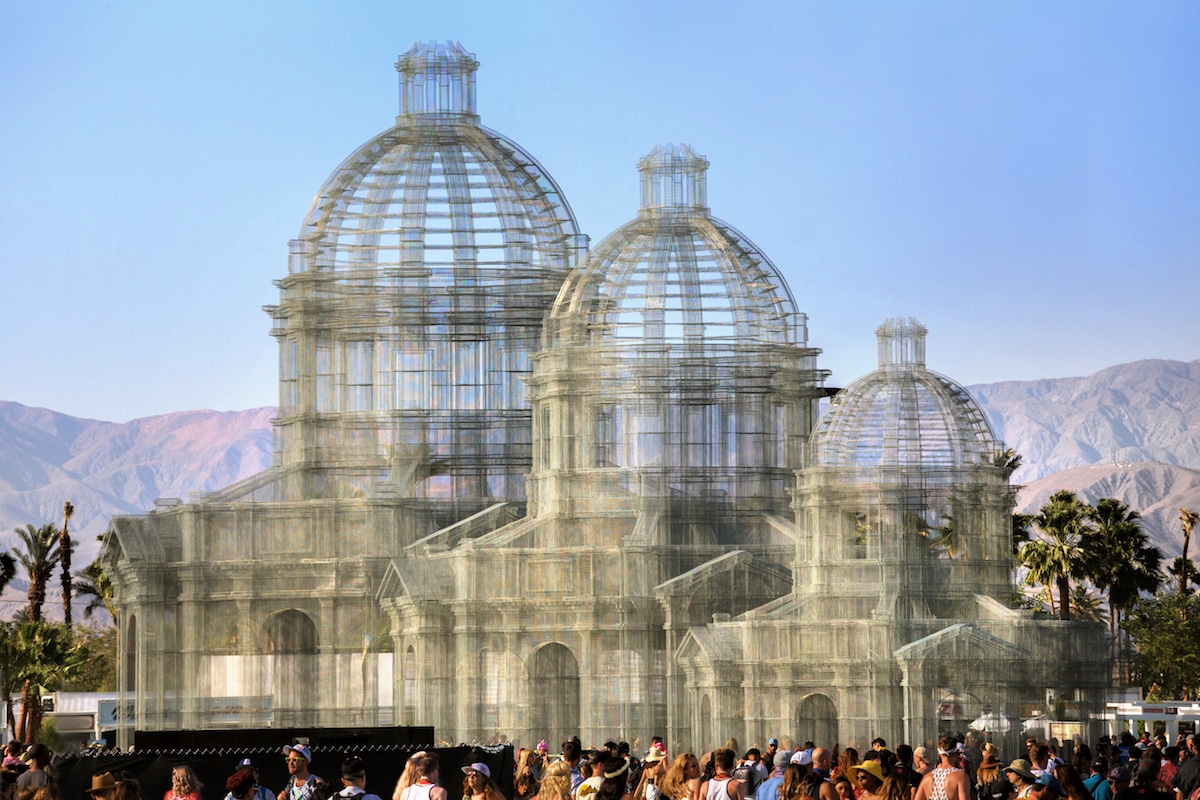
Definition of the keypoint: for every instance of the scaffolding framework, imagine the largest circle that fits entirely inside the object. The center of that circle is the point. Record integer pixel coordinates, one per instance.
(526, 490)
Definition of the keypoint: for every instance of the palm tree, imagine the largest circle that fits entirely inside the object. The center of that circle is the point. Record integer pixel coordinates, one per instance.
(1125, 564)
(1060, 553)
(64, 556)
(93, 582)
(38, 557)
(8, 569)
(1185, 572)
(1008, 458)
(1085, 604)
(1188, 519)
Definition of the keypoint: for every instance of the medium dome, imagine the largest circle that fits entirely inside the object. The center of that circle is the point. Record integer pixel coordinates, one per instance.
(675, 275)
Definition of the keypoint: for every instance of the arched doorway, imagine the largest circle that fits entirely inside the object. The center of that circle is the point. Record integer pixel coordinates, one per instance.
(554, 692)
(816, 721)
(290, 640)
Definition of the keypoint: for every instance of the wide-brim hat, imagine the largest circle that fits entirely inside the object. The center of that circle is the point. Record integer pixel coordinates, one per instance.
(1020, 766)
(872, 768)
(654, 755)
(104, 783)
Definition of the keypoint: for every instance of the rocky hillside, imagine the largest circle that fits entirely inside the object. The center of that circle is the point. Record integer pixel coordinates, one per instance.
(1147, 411)
(1130, 413)
(1156, 491)
(106, 468)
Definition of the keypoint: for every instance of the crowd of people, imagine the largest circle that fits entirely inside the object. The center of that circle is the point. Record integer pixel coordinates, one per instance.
(959, 768)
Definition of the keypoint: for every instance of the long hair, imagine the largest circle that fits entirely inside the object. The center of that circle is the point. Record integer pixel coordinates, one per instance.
(556, 782)
(184, 781)
(410, 774)
(616, 778)
(674, 783)
(794, 778)
(895, 788)
(848, 759)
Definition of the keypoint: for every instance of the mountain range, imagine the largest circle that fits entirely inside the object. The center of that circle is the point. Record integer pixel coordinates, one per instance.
(1131, 431)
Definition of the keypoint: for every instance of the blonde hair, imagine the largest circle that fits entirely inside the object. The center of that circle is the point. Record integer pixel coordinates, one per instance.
(409, 776)
(674, 783)
(556, 782)
(184, 781)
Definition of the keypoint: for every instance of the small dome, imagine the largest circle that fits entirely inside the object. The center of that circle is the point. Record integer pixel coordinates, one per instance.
(675, 275)
(902, 415)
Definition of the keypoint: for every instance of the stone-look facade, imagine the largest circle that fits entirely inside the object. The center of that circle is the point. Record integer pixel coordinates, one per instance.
(632, 525)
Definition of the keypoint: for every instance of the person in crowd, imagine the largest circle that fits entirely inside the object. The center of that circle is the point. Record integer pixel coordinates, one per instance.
(38, 774)
(769, 789)
(682, 780)
(104, 785)
(184, 784)
(556, 782)
(614, 774)
(794, 776)
(894, 788)
(1187, 779)
(654, 767)
(989, 768)
(946, 781)
(260, 792)
(477, 783)
(818, 786)
(843, 787)
(1046, 787)
(749, 773)
(1097, 783)
(722, 785)
(1019, 774)
(595, 777)
(572, 753)
(1119, 779)
(408, 777)
(425, 787)
(921, 762)
(241, 785)
(1146, 785)
(1072, 784)
(354, 780)
(127, 788)
(846, 760)
(302, 784)
(869, 776)
(769, 753)
(49, 791)
(1001, 789)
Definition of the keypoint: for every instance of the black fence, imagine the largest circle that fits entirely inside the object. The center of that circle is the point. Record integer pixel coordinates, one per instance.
(217, 761)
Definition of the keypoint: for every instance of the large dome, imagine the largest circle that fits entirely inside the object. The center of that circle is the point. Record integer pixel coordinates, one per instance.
(415, 297)
(676, 276)
(902, 415)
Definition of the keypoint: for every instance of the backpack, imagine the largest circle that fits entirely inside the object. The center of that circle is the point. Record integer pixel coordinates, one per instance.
(747, 776)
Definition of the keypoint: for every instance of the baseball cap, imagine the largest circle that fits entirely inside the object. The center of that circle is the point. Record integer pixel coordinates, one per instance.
(299, 749)
(247, 763)
(783, 758)
(478, 766)
(772, 741)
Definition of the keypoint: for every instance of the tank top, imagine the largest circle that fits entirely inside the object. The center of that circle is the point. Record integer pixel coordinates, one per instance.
(718, 789)
(418, 791)
(939, 782)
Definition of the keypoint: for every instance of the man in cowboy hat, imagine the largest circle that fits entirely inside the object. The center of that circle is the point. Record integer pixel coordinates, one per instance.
(103, 786)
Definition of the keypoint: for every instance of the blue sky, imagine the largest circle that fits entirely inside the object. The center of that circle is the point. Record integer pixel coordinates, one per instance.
(1022, 177)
